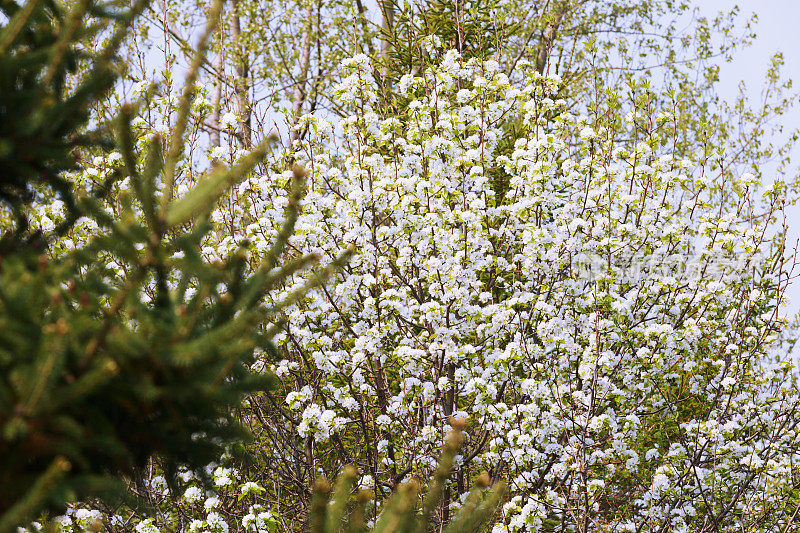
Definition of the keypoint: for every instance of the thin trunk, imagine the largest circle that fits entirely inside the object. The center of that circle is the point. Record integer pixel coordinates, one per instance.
(216, 101)
(549, 36)
(449, 408)
(299, 97)
(362, 15)
(240, 86)
(386, 42)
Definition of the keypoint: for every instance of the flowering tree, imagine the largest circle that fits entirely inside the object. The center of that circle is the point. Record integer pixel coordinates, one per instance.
(604, 314)
(608, 325)
(586, 268)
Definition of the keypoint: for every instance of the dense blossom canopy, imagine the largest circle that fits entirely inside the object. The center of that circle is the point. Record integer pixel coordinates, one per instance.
(601, 305)
(603, 314)
(607, 325)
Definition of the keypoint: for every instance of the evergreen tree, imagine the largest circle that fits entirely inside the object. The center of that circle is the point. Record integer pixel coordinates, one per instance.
(401, 513)
(100, 372)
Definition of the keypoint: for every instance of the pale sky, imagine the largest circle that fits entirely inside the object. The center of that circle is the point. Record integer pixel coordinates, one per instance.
(778, 30)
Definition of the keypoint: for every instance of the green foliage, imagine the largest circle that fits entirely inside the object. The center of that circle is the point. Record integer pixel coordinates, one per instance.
(42, 123)
(401, 514)
(100, 372)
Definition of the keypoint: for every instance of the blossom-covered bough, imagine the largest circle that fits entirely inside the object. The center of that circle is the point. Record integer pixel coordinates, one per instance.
(599, 299)
(604, 311)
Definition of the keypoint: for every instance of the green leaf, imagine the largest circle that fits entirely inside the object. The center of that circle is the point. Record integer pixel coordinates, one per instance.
(203, 197)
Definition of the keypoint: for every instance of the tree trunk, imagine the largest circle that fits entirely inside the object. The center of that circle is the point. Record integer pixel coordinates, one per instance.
(240, 86)
(299, 97)
(216, 103)
(549, 36)
(387, 10)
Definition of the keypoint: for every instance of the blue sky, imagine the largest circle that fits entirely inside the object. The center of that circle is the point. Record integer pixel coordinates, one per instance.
(778, 30)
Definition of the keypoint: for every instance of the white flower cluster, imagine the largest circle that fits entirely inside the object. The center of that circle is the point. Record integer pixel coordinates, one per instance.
(319, 423)
(644, 389)
(638, 399)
